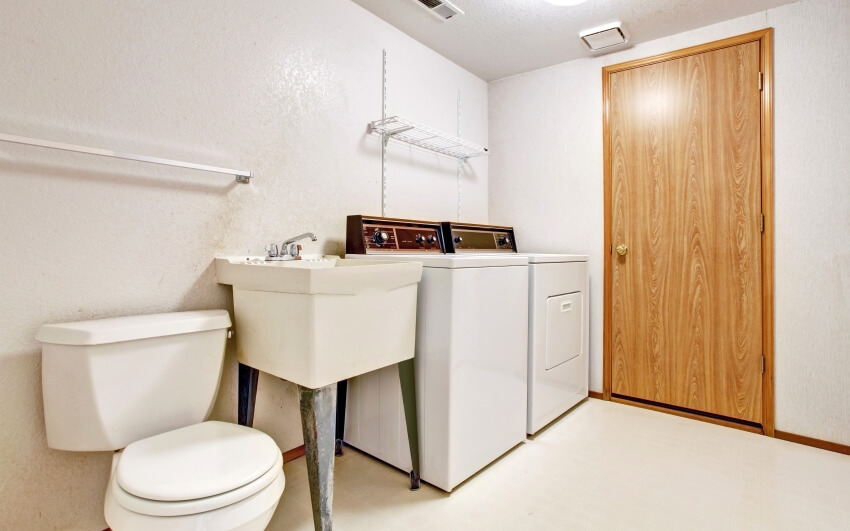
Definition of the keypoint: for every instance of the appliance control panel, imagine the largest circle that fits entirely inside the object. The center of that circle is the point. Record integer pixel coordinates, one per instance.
(371, 235)
(462, 238)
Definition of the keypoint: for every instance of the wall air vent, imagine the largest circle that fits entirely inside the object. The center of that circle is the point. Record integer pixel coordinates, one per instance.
(442, 9)
(604, 37)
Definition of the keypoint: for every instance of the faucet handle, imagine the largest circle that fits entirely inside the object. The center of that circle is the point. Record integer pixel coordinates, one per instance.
(271, 249)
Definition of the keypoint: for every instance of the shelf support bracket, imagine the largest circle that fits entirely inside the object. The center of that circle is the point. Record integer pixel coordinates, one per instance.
(384, 137)
(459, 161)
(400, 130)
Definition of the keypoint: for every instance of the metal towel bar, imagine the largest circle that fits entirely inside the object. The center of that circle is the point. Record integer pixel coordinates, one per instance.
(242, 176)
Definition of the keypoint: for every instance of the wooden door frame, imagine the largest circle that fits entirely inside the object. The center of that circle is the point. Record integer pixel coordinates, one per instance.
(765, 39)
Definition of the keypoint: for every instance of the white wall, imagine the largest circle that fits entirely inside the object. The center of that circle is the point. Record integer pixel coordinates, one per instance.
(282, 88)
(546, 180)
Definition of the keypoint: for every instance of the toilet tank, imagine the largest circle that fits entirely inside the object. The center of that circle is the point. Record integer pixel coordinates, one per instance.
(110, 382)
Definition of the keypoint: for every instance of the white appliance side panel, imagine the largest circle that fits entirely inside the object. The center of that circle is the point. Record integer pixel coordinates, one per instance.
(375, 417)
(374, 413)
(488, 366)
(433, 395)
(552, 392)
(470, 378)
(362, 412)
(393, 430)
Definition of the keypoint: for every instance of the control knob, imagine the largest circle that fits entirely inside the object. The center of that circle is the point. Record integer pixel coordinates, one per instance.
(504, 240)
(432, 239)
(458, 239)
(380, 237)
(420, 239)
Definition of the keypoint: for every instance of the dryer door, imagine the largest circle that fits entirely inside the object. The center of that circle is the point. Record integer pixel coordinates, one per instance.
(563, 328)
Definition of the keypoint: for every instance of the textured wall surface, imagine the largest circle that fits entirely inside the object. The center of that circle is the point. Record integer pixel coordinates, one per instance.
(281, 88)
(546, 180)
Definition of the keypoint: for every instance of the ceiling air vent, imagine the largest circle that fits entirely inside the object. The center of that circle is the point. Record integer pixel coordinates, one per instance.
(603, 37)
(442, 9)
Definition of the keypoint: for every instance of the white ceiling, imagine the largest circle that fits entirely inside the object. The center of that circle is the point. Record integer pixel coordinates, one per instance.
(500, 38)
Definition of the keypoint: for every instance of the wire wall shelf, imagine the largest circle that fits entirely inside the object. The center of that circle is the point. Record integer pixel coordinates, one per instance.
(425, 137)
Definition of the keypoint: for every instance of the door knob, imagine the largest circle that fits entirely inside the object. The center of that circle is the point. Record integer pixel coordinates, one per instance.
(622, 250)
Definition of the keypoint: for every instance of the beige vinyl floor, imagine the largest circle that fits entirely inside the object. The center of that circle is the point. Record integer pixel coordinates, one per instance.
(601, 466)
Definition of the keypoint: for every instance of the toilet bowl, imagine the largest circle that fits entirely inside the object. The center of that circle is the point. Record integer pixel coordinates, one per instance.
(143, 386)
(211, 476)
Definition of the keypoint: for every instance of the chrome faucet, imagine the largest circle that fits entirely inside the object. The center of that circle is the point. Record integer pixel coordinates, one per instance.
(289, 249)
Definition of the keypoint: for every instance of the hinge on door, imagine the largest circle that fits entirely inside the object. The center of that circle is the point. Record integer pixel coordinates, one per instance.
(762, 363)
(761, 223)
(761, 80)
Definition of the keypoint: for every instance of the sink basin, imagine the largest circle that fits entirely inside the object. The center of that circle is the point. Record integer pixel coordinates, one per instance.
(321, 319)
(315, 274)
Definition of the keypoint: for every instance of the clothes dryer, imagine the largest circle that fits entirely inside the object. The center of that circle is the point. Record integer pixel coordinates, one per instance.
(470, 361)
(558, 319)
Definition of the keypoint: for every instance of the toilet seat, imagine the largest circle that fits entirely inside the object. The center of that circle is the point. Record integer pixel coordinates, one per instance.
(195, 469)
(186, 507)
(251, 514)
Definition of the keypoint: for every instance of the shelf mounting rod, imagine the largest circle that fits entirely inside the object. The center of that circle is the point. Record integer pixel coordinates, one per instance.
(384, 137)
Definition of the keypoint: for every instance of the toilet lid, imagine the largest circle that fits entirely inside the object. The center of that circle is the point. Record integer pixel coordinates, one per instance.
(272, 483)
(196, 461)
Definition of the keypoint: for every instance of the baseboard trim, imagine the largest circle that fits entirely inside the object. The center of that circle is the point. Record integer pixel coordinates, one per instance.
(595, 394)
(295, 453)
(811, 441)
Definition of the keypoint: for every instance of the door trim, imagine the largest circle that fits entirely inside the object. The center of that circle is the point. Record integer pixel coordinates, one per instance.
(765, 39)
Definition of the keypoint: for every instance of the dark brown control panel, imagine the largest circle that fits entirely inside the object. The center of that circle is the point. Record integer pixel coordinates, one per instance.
(368, 235)
(462, 238)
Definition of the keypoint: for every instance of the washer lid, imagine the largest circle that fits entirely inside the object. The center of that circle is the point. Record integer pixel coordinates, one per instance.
(132, 327)
(450, 261)
(545, 258)
(196, 461)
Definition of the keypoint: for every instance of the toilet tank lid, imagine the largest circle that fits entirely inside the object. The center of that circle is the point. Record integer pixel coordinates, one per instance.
(116, 329)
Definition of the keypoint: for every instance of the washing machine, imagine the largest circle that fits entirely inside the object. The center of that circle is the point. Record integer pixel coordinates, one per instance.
(470, 361)
(558, 319)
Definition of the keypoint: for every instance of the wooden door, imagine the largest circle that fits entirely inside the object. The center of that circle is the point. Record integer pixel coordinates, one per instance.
(685, 190)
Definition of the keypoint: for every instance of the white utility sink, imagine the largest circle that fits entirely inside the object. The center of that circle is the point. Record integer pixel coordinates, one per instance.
(321, 319)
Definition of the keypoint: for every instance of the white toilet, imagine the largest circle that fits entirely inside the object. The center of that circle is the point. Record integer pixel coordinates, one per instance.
(145, 384)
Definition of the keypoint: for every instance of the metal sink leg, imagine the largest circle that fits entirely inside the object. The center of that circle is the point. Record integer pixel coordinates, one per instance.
(248, 377)
(318, 422)
(408, 398)
(341, 395)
